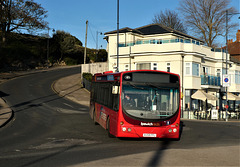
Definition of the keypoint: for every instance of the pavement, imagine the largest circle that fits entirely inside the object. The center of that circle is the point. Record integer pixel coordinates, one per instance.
(69, 87)
(6, 114)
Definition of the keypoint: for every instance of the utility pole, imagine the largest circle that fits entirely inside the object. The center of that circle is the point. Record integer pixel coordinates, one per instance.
(48, 47)
(85, 50)
(226, 63)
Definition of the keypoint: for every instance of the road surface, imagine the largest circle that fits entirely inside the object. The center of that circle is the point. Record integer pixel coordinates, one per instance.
(48, 130)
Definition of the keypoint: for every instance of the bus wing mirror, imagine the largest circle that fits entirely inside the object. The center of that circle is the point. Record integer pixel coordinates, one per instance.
(115, 90)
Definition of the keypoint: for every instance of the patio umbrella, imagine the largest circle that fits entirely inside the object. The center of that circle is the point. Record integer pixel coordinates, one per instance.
(201, 95)
(231, 96)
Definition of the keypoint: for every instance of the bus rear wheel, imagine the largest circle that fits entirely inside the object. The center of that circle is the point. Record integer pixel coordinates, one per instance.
(94, 118)
(108, 129)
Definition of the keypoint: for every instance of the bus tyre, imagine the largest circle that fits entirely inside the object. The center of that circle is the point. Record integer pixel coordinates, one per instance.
(108, 129)
(94, 118)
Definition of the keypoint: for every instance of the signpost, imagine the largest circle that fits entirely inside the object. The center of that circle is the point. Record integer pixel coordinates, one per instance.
(226, 80)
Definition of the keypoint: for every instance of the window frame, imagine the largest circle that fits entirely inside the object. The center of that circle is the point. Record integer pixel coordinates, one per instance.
(190, 65)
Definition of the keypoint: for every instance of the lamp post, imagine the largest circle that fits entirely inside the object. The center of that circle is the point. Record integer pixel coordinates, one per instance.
(227, 58)
(117, 70)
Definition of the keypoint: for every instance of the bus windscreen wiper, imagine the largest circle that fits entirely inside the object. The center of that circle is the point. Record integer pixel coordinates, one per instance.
(149, 84)
(135, 86)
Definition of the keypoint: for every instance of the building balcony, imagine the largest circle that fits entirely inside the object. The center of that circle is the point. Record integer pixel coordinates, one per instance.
(210, 80)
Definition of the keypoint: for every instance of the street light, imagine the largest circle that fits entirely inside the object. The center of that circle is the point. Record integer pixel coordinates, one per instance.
(117, 70)
(227, 57)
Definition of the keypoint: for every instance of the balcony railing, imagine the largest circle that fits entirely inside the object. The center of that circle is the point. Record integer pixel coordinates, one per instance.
(210, 80)
(160, 41)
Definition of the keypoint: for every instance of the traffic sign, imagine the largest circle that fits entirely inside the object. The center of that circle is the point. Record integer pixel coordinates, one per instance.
(226, 80)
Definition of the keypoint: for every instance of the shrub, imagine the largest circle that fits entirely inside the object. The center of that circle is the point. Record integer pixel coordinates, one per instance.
(87, 76)
(70, 61)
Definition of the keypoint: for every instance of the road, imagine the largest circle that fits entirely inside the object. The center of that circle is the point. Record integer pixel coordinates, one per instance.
(48, 130)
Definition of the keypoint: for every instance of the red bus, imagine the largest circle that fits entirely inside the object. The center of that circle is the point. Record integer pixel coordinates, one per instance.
(136, 104)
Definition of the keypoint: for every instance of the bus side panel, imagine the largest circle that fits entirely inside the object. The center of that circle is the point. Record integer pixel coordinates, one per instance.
(103, 113)
(100, 115)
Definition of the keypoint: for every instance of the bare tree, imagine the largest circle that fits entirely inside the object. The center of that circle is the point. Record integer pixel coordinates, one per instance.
(170, 19)
(20, 14)
(206, 18)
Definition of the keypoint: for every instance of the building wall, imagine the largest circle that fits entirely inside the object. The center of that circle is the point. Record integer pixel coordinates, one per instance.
(95, 68)
(178, 54)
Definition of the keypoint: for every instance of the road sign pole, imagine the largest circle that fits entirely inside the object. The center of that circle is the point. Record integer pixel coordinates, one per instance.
(226, 83)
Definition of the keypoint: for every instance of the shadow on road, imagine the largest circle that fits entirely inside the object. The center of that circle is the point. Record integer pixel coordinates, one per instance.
(39, 101)
(159, 154)
(2, 94)
(164, 145)
(48, 156)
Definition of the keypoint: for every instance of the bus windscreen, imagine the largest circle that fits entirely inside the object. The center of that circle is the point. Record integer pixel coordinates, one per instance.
(146, 100)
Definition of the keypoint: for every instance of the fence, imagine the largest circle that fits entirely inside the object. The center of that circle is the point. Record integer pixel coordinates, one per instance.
(93, 68)
(86, 84)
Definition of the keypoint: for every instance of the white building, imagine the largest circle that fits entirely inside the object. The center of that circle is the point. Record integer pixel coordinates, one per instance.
(158, 47)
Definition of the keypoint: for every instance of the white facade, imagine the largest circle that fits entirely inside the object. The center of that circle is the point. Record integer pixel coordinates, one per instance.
(199, 66)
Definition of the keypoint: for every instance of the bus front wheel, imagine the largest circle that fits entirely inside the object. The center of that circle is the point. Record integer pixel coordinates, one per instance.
(108, 129)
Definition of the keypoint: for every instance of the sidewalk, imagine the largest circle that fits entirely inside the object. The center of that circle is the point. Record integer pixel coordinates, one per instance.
(6, 113)
(67, 87)
(70, 87)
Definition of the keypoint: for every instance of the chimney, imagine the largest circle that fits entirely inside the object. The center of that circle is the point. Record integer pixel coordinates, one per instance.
(238, 36)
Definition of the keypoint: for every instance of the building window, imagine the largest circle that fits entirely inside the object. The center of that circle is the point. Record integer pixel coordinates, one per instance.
(192, 69)
(237, 77)
(206, 70)
(224, 71)
(219, 72)
(187, 99)
(168, 67)
(188, 68)
(159, 41)
(126, 67)
(154, 66)
(152, 41)
(146, 66)
(195, 69)
(143, 66)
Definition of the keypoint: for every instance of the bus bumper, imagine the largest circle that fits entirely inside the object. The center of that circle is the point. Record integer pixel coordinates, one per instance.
(149, 132)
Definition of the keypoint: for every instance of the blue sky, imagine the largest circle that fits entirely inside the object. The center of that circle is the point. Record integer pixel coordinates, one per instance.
(71, 15)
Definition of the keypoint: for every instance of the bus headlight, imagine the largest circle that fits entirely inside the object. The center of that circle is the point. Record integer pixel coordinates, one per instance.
(174, 130)
(124, 129)
(170, 130)
(129, 129)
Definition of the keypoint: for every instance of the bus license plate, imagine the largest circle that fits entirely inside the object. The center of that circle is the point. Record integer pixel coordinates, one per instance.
(149, 135)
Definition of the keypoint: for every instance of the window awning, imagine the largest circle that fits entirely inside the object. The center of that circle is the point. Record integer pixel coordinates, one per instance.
(201, 95)
(231, 96)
